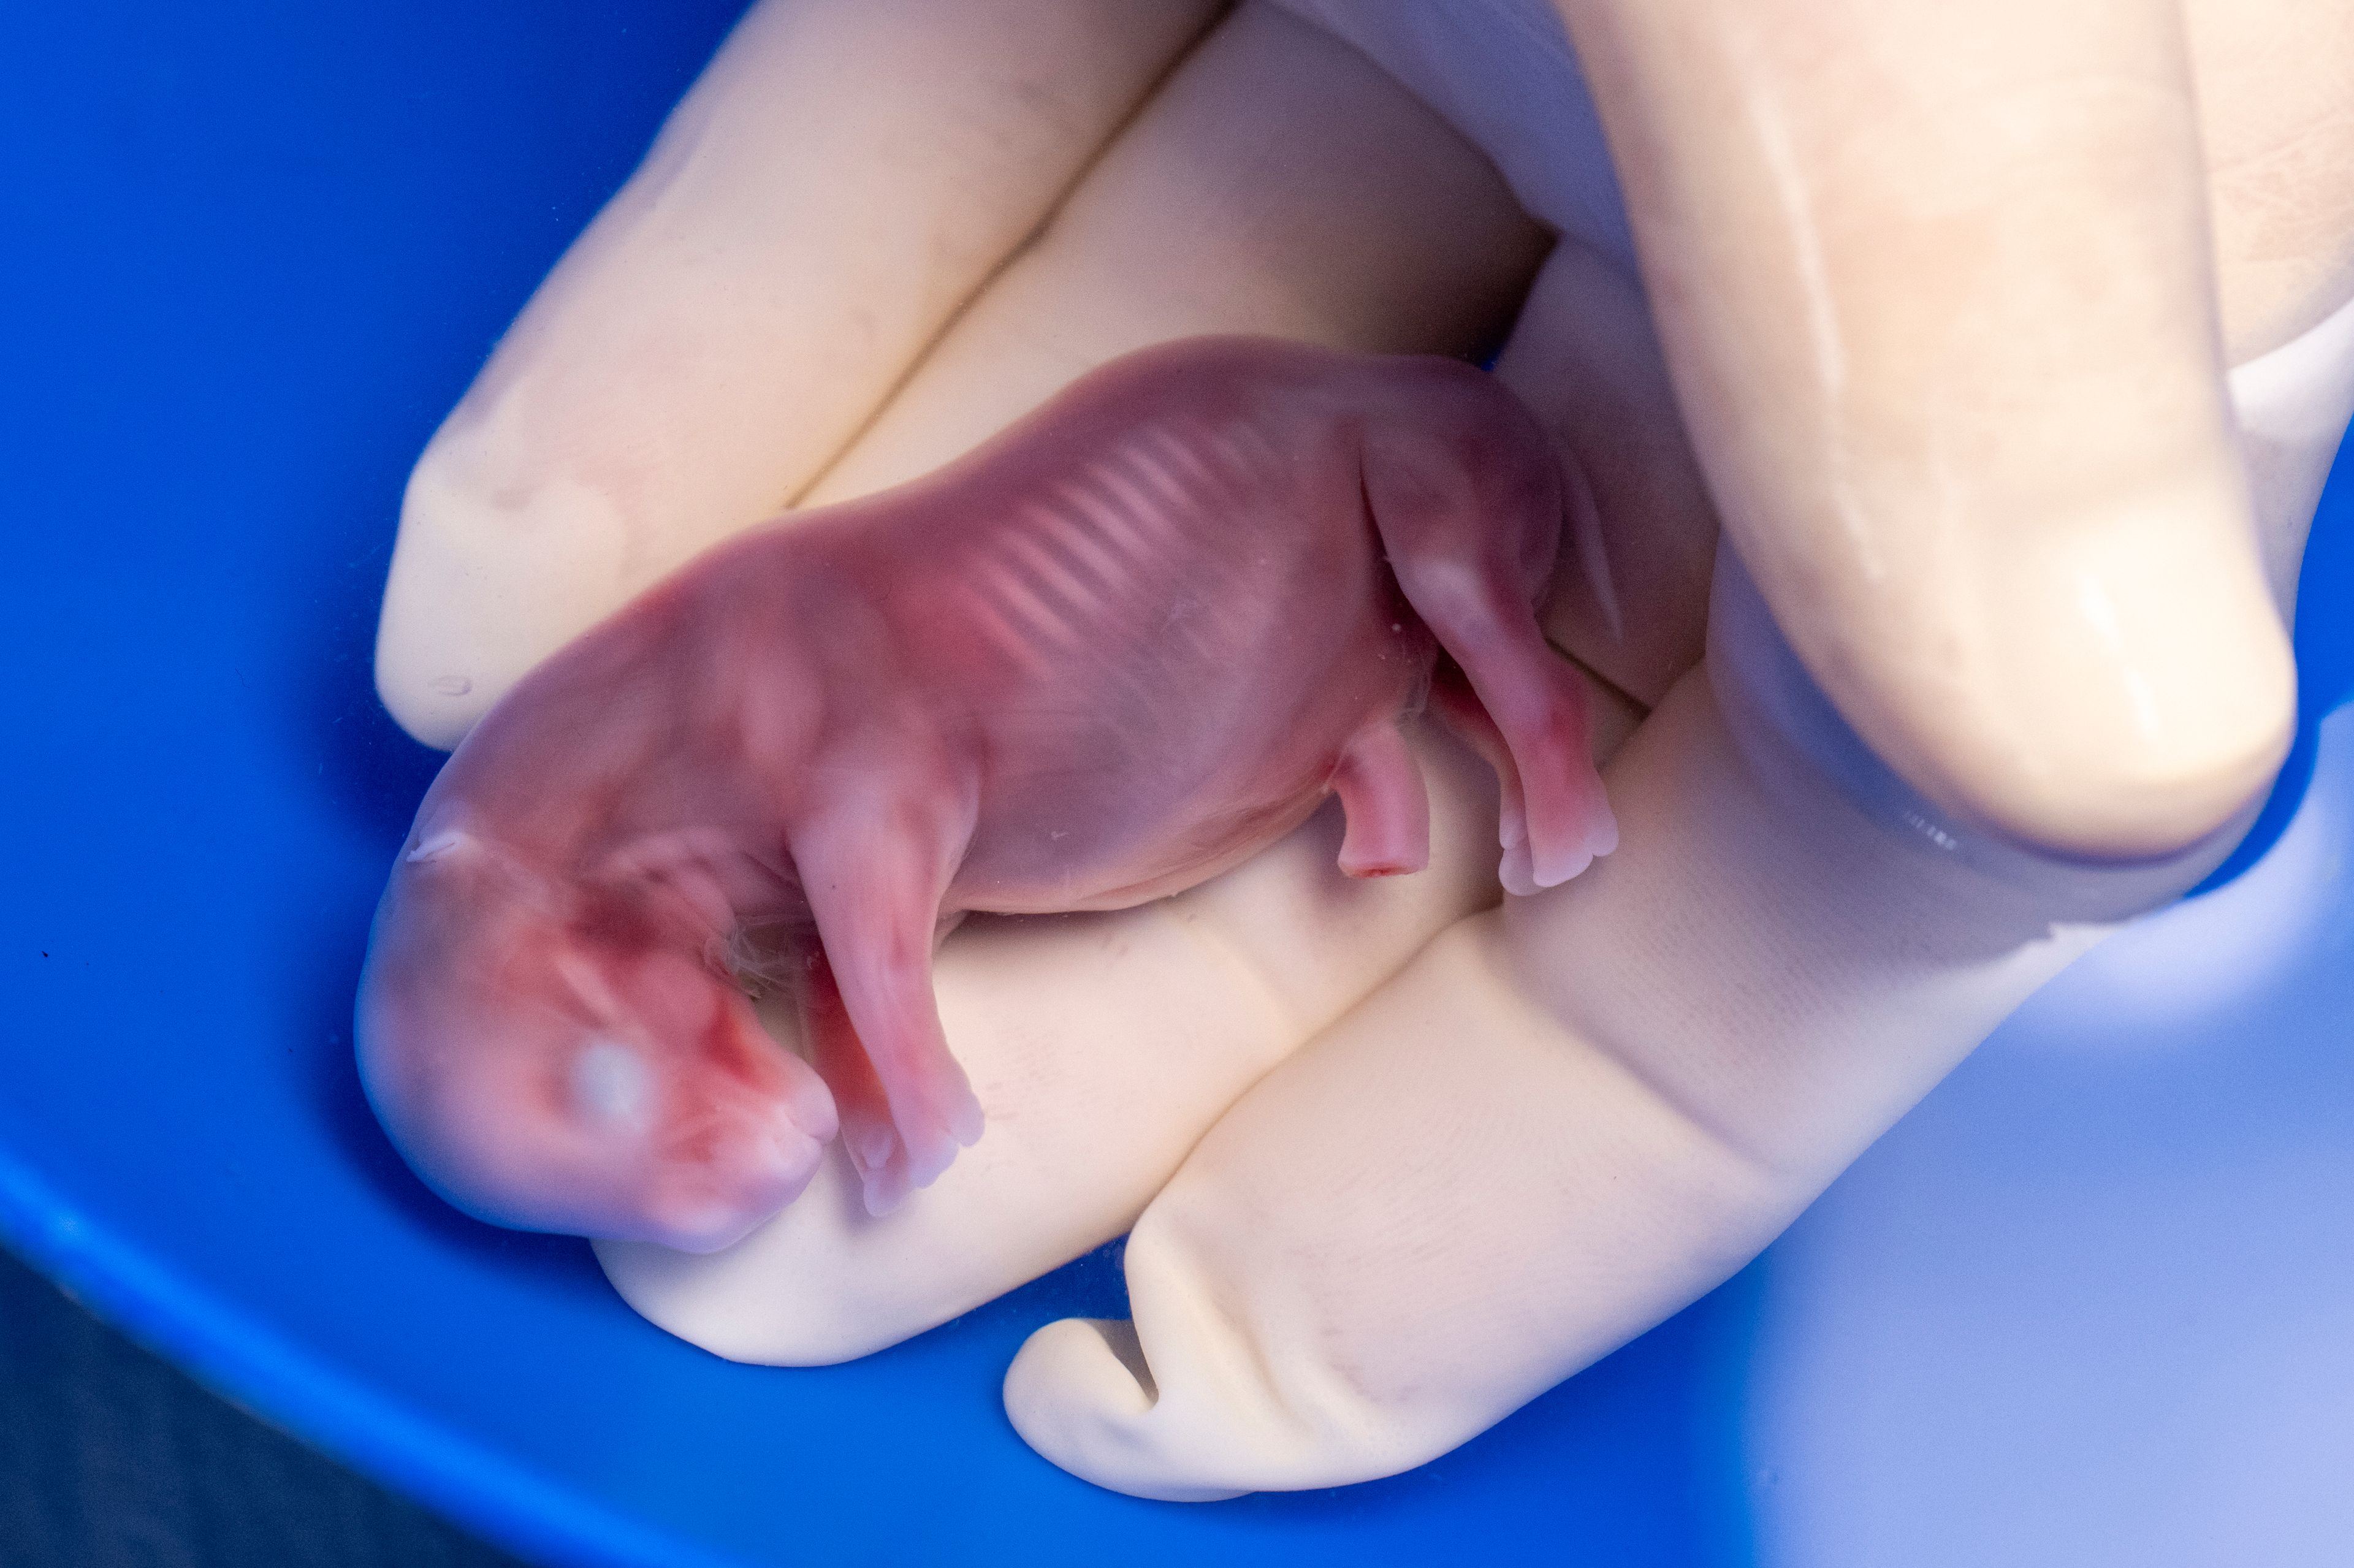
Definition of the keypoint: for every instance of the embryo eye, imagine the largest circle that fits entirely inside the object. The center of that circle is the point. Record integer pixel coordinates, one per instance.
(610, 1083)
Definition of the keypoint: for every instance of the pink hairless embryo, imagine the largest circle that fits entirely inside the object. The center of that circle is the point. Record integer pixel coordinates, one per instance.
(1133, 640)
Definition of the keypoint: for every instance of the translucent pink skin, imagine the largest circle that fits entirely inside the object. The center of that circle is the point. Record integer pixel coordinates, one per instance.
(1115, 651)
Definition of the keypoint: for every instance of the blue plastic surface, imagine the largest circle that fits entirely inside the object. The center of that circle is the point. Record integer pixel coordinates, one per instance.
(253, 253)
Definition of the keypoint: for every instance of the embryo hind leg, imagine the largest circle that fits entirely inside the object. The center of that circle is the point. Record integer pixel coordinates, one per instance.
(874, 871)
(1470, 521)
(1453, 702)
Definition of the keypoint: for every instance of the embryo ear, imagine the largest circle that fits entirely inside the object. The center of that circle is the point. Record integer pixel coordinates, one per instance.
(448, 850)
(441, 843)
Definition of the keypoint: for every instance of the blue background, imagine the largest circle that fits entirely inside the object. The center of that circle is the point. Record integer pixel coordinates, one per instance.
(252, 253)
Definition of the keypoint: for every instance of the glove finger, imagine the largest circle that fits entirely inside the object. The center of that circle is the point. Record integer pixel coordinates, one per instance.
(1934, 284)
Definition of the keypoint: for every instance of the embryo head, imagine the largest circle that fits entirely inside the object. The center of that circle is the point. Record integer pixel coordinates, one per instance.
(555, 1057)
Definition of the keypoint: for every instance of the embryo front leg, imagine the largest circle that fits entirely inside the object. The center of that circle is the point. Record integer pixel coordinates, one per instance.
(1388, 810)
(874, 867)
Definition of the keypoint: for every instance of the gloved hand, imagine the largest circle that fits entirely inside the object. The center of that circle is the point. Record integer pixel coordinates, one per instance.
(1932, 305)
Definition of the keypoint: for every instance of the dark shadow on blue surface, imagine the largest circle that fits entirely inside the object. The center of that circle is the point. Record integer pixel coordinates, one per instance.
(111, 1458)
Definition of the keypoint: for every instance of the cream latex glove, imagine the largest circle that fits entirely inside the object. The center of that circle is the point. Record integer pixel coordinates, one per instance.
(1938, 438)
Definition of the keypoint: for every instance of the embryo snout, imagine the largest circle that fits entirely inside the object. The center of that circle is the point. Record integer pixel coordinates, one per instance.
(545, 1073)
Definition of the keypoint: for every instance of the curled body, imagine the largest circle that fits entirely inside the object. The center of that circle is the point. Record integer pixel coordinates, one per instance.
(1112, 652)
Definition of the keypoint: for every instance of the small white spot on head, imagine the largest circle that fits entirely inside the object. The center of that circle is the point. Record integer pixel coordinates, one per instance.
(433, 846)
(610, 1083)
(451, 686)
